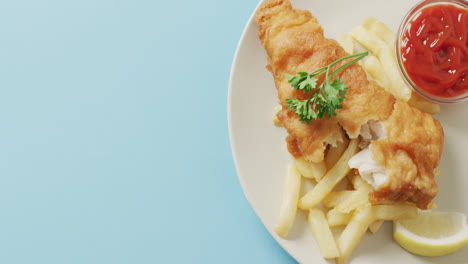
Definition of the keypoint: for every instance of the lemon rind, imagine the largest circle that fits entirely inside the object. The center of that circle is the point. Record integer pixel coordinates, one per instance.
(429, 247)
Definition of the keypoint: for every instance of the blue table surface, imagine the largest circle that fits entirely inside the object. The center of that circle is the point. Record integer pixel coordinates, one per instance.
(114, 141)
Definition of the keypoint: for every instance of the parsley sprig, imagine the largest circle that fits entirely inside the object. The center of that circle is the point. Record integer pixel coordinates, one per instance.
(327, 98)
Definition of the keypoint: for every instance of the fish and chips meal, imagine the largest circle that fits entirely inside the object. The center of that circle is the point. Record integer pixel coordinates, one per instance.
(354, 122)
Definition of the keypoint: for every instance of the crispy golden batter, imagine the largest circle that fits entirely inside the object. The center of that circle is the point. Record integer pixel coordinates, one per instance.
(289, 37)
(365, 100)
(308, 140)
(294, 42)
(409, 153)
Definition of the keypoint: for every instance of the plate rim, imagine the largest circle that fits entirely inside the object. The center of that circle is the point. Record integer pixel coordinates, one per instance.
(230, 130)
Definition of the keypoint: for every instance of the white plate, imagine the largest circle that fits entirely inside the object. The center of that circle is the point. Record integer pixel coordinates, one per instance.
(259, 148)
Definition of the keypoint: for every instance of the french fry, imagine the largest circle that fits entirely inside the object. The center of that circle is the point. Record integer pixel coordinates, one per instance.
(364, 217)
(432, 206)
(358, 198)
(311, 169)
(380, 29)
(395, 211)
(275, 118)
(358, 181)
(322, 234)
(373, 66)
(350, 177)
(343, 185)
(374, 227)
(335, 153)
(331, 179)
(354, 231)
(368, 21)
(369, 40)
(289, 204)
(337, 218)
(377, 46)
(306, 185)
(347, 43)
(335, 198)
(423, 105)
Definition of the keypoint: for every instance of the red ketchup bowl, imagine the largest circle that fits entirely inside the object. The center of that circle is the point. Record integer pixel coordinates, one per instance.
(432, 50)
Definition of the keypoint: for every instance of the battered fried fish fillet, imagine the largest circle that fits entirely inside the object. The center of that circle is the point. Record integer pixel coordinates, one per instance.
(409, 153)
(400, 162)
(403, 158)
(294, 42)
(288, 38)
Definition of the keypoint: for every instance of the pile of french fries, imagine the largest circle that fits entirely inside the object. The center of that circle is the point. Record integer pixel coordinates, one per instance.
(328, 206)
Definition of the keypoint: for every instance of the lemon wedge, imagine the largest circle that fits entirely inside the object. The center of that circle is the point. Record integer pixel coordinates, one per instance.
(432, 233)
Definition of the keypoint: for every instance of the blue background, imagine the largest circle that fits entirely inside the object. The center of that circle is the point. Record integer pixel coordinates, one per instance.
(114, 142)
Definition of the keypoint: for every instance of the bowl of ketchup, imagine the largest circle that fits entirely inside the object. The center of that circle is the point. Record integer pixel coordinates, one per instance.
(432, 50)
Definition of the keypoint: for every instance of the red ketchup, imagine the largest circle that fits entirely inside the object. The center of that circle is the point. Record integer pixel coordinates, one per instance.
(434, 50)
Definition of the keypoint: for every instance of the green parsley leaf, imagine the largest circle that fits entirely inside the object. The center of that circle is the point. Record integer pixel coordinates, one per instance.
(294, 80)
(303, 82)
(326, 98)
(335, 91)
(308, 84)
